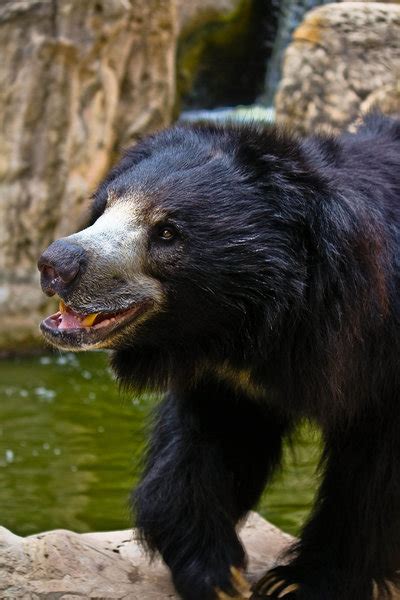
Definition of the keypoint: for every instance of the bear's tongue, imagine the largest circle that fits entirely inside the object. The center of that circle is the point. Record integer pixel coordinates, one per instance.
(67, 319)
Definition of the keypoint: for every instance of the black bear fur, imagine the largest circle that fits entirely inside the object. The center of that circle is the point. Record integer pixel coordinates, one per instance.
(287, 281)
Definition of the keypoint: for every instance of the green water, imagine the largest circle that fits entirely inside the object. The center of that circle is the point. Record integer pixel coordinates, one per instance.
(70, 447)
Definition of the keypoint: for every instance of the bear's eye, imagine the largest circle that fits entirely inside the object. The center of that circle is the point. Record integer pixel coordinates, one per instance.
(167, 233)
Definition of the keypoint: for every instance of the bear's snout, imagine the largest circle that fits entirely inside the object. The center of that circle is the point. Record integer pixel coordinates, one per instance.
(61, 266)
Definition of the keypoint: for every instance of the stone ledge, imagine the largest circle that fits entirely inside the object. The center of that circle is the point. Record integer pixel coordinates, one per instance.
(61, 564)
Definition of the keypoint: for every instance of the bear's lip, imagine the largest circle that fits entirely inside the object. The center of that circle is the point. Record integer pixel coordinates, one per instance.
(73, 330)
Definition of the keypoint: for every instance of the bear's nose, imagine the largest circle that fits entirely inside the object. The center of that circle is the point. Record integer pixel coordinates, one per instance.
(60, 266)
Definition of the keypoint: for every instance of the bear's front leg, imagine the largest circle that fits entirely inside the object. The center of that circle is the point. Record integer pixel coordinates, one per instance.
(350, 548)
(210, 456)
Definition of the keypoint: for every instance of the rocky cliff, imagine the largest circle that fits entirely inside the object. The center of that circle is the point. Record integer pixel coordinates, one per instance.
(78, 81)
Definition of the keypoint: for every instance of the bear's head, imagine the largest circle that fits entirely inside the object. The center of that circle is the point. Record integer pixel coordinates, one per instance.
(197, 238)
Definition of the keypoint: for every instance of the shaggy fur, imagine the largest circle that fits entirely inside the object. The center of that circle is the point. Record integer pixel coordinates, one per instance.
(282, 304)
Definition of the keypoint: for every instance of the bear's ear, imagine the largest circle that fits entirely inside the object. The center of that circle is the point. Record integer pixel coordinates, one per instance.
(131, 157)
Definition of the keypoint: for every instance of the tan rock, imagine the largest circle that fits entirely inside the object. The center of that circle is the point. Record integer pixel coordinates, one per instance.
(78, 82)
(108, 565)
(344, 58)
(386, 99)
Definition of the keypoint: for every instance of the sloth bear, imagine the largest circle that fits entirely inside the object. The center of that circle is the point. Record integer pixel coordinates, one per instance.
(253, 276)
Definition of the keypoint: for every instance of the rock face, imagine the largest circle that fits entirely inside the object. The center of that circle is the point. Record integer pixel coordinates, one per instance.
(63, 564)
(344, 58)
(78, 80)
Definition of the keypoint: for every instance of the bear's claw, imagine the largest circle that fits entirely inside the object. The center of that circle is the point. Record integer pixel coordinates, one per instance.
(240, 586)
(274, 585)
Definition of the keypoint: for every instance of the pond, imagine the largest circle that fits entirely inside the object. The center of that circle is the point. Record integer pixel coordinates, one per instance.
(71, 442)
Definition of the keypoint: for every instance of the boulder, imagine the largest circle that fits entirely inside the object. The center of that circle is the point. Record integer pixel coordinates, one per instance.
(344, 58)
(63, 564)
(79, 81)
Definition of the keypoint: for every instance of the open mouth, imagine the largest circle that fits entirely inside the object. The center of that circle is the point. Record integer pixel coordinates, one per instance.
(69, 329)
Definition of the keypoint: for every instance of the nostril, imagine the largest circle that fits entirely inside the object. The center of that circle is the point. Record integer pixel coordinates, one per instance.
(64, 272)
(49, 278)
(48, 273)
(60, 265)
